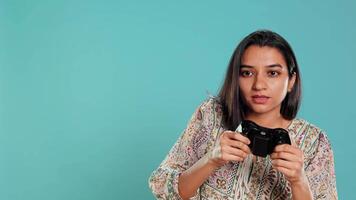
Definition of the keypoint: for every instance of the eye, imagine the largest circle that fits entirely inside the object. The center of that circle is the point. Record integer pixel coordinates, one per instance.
(246, 73)
(273, 73)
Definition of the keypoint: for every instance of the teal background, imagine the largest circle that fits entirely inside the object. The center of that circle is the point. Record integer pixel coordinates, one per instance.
(93, 94)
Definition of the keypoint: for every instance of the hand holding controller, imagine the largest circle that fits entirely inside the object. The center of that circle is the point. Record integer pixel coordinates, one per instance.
(264, 140)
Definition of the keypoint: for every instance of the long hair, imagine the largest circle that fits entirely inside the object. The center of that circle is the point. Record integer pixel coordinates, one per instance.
(234, 109)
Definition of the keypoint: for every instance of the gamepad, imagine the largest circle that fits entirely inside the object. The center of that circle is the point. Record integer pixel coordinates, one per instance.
(263, 140)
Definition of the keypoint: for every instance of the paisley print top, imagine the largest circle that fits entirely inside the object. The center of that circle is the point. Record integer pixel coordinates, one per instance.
(264, 182)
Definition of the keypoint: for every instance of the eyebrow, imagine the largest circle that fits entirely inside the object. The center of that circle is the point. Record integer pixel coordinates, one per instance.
(268, 66)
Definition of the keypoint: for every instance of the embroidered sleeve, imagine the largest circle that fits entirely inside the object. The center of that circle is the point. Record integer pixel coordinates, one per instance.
(164, 180)
(321, 172)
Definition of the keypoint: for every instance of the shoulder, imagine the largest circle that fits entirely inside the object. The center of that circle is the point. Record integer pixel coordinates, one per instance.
(303, 129)
(209, 114)
(309, 136)
(210, 106)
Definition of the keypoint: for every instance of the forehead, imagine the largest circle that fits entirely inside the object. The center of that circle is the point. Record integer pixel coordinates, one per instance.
(262, 56)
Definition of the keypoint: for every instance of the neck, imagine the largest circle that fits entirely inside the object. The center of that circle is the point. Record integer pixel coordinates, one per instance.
(270, 120)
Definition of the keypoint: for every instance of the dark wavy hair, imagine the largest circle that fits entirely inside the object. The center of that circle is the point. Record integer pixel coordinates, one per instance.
(233, 107)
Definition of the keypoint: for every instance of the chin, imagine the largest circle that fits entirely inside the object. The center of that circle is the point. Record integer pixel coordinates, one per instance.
(260, 109)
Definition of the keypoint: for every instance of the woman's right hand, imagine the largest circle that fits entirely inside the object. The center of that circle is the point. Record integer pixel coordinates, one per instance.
(231, 146)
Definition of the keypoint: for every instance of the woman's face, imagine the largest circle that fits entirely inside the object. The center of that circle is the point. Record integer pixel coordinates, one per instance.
(264, 80)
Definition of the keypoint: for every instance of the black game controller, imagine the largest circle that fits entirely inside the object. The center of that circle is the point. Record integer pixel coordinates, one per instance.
(263, 140)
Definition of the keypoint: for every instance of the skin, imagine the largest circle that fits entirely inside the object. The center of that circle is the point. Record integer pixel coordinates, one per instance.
(263, 72)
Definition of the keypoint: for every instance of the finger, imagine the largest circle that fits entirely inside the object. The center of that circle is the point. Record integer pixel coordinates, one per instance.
(285, 156)
(231, 157)
(239, 137)
(239, 145)
(285, 164)
(286, 148)
(227, 135)
(223, 134)
(236, 152)
(285, 171)
(235, 145)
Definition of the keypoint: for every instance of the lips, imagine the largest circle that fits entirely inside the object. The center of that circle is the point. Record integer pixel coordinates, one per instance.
(259, 99)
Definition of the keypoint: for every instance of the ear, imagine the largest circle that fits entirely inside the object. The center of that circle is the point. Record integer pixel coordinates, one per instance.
(291, 82)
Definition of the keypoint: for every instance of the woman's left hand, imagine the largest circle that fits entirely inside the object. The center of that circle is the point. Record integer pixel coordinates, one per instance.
(289, 160)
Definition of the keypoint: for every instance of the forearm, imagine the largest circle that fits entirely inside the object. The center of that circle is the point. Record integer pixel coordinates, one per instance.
(191, 179)
(301, 191)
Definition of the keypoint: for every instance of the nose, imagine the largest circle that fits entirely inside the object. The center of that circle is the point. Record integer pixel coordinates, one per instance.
(259, 82)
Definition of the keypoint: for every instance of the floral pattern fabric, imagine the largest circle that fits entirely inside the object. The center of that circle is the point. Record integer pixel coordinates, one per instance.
(200, 136)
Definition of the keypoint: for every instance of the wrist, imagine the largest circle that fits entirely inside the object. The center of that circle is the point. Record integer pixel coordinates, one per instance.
(301, 189)
(302, 182)
(210, 161)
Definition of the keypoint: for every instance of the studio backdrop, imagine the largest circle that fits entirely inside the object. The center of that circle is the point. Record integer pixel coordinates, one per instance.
(93, 94)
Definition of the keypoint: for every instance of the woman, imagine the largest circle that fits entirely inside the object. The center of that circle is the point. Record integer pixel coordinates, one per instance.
(262, 84)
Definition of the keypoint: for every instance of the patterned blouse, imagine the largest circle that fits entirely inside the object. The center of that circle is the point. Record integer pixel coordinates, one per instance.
(264, 182)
